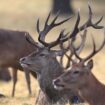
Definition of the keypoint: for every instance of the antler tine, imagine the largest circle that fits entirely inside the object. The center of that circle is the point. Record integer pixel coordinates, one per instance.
(64, 54)
(94, 25)
(61, 47)
(57, 24)
(89, 22)
(76, 30)
(46, 22)
(99, 21)
(90, 12)
(37, 26)
(94, 48)
(72, 49)
(31, 41)
(53, 22)
(77, 51)
(59, 39)
(47, 28)
(69, 59)
(61, 58)
(83, 40)
(94, 52)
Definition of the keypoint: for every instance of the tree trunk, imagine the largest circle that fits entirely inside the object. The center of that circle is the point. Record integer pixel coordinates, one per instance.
(64, 6)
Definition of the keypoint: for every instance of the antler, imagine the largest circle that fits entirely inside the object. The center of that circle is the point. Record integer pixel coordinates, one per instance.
(64, 54)
(93, 53)
(47, 28)
(65, 37)
(78, 49)
(31, 41)
(88, 23)
(83, 40)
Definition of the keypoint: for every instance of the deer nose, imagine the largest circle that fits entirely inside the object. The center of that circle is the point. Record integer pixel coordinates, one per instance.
(56, 81)
(22, 59)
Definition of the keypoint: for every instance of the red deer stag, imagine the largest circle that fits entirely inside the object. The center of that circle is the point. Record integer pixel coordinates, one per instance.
(44, 62)
(81, 79)
(13, 46)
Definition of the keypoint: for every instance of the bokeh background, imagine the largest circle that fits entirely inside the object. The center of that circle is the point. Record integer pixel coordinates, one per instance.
(23, 14)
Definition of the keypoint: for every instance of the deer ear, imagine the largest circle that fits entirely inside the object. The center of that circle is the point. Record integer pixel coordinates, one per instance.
(90, 64)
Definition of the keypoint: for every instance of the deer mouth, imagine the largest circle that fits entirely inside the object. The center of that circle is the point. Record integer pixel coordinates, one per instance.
(58, 86)
(23, 64)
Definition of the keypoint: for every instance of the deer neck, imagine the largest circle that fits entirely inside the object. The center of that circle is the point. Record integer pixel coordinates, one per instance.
(93, 92)
(50, 72)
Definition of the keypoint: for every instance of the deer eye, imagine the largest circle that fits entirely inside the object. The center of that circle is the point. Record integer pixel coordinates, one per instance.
(76, 72)
(42, 55)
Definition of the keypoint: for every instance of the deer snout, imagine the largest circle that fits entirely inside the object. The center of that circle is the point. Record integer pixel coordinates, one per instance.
(23, 62)
(22, 59)
(58, 84)
(56, 81)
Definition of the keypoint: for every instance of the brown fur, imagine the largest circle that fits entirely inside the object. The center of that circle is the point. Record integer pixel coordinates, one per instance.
(13, 46)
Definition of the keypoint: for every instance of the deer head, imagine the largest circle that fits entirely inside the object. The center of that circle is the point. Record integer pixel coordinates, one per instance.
(44, 56)
(80, 72)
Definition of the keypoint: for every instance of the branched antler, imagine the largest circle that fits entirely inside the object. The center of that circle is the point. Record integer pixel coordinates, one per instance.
(93, 53)
(47, 28)
(88, 23)
(65, 37)
(78, 49)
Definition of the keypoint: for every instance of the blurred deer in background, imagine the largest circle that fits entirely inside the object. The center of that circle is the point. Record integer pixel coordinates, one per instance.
(43, 61)
(80, 78)
(5, 75)
(13, 46)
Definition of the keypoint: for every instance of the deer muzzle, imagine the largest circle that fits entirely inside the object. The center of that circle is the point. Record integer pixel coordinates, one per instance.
(23, 62)
(58, 85)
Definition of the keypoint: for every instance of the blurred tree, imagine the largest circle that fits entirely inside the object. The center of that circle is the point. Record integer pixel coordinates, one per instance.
(64, 6)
